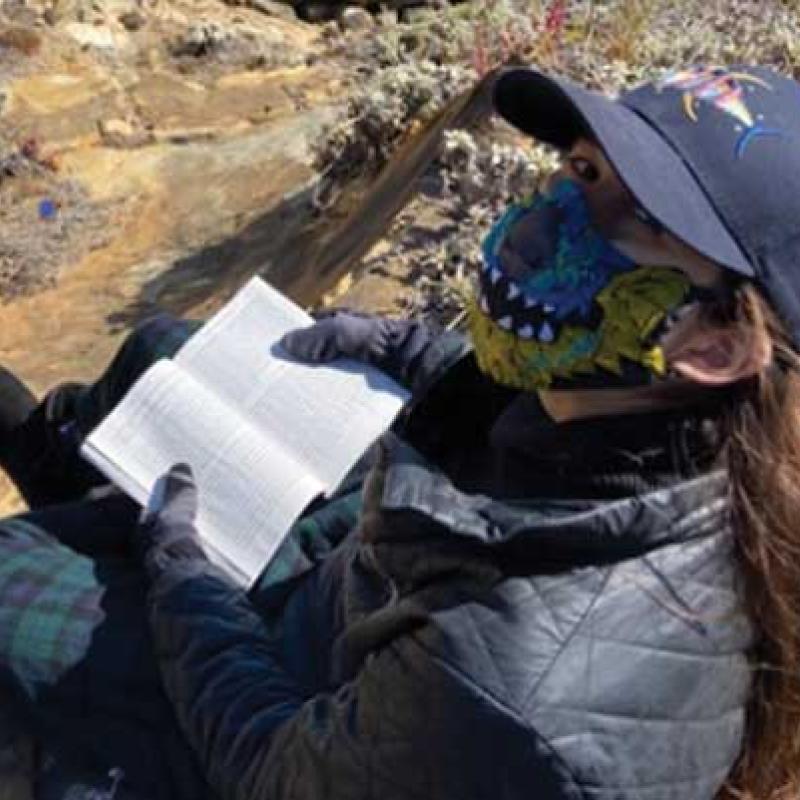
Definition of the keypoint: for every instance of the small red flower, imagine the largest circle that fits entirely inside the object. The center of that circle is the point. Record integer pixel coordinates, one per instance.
(556, 18)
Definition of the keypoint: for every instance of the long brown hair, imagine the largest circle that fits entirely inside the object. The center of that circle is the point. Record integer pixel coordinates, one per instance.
(761, 451)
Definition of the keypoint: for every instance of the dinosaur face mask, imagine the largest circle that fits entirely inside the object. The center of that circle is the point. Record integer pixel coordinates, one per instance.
(559, 307)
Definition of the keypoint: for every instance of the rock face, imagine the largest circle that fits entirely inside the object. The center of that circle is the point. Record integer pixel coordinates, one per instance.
(139, 160)
(155, 155)
(131, 176)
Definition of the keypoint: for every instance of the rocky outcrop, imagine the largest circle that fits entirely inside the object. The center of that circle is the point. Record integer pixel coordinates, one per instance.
(128, 158)
(122, 152)
(154, 155)
(211, 143)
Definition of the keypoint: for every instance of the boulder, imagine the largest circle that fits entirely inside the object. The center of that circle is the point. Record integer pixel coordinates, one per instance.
(157, 168)
(272, 8)
(99, 37)
(200, 40)
(355, 18)
(133, 20)
(121, 133)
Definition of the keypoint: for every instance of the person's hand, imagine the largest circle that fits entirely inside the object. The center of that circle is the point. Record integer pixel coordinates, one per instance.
(167, 529)
(392, 345)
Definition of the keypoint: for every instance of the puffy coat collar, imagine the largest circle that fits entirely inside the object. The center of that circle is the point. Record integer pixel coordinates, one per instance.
(561, 532)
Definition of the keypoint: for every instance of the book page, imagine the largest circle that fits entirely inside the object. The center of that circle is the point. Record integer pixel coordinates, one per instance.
(250, 490)
(325, 415)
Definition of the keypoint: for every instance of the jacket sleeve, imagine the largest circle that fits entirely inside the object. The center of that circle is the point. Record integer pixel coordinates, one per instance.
(406, 726)
(434, 359)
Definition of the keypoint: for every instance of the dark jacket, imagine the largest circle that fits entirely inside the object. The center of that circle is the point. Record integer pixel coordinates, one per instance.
(443, 644)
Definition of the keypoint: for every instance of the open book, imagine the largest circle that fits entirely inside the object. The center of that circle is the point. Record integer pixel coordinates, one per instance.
(263, 433)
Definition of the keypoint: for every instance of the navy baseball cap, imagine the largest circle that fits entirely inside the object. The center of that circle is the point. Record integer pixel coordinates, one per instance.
(713, 153)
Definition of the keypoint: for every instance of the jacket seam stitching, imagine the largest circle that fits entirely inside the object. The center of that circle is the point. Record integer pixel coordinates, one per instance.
(670, 651)
(542, 598)
(520, 720)
(573, 633)
(648, 720)
(551, 746)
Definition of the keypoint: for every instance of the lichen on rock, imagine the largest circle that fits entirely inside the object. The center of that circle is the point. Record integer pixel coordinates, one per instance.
(48, 223)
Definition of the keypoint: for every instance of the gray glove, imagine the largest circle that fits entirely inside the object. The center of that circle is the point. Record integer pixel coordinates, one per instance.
(167, 530)
(393, 346)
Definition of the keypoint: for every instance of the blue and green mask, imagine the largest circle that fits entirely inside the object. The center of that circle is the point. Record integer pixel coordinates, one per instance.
(558, 306)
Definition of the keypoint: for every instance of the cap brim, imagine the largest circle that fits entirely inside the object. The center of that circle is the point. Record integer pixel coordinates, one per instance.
(556, 111)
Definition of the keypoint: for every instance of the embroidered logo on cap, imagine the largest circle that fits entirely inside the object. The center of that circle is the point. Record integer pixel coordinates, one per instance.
(725, 91)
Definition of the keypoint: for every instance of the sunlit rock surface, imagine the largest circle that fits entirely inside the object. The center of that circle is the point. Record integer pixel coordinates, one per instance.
(133, 170)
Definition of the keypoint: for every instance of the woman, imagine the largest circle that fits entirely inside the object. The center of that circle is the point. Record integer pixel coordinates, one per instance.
(568, 572)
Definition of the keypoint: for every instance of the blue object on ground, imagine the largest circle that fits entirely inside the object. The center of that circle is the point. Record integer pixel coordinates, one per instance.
(47, 209)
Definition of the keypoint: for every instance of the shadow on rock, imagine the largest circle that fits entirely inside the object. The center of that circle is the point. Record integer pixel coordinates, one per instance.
(299, 251)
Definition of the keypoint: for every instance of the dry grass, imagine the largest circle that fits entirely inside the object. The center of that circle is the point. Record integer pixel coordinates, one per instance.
(603, 43)
(406, 72)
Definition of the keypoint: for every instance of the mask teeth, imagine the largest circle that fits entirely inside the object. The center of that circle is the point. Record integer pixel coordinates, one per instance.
(541, 329)
(546, 333)
(525, 332)
(514, 291)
